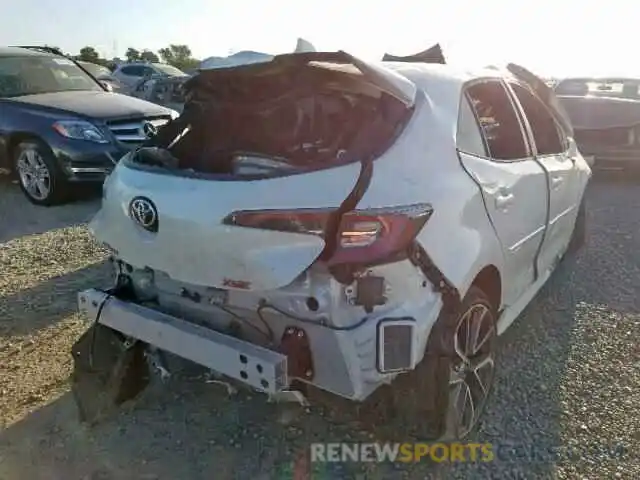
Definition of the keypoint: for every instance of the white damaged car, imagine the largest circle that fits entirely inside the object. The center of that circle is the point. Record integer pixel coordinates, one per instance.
(321, 221)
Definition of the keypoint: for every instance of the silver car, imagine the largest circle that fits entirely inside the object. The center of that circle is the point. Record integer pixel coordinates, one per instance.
(130, 74)
(103, 74)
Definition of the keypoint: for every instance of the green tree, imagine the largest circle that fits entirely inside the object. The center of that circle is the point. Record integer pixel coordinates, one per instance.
(179, 56)
(132, 55)
(89, 54)
(149, 56)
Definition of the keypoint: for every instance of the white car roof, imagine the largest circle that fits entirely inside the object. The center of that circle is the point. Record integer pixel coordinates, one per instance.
(443, 84)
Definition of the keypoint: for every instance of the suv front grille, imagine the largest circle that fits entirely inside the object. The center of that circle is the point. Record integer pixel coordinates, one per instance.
(131, 131)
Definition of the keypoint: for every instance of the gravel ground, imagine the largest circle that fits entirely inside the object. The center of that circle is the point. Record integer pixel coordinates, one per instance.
(569, 378)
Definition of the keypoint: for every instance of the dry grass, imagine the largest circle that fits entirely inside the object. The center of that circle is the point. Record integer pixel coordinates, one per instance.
(42, 269)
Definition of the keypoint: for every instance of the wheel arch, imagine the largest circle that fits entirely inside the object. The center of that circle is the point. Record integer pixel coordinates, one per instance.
(489, 280)
(16, 139)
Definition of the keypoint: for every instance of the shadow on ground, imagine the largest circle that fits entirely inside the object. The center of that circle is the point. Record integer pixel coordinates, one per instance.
(18, 217)
(48, 302)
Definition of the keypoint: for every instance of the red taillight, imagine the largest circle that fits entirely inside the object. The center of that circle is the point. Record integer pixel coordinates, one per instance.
(364, 236)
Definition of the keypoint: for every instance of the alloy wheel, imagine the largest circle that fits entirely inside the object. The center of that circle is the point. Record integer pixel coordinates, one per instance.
(34, 174)
(472, 368)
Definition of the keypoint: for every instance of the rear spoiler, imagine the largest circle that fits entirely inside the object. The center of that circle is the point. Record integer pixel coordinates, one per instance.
(431, 55)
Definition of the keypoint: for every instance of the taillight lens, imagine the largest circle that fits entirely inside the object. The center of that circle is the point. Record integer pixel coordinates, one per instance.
(364, 236)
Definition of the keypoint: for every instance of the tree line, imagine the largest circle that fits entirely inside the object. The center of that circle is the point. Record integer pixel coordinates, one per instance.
(177, 55)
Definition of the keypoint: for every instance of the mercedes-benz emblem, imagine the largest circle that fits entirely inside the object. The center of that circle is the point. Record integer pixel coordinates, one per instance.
(144, 213)
(149, 129)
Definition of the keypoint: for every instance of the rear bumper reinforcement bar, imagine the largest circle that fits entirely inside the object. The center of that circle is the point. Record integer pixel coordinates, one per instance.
(251, 364)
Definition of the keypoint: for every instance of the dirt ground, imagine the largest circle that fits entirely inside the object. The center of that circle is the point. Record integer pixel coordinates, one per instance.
(569, 373)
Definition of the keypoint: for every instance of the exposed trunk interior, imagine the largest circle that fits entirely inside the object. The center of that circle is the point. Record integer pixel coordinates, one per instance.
(278, 117)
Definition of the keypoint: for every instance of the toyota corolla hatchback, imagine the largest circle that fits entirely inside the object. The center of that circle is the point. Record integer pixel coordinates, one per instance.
(317, 221)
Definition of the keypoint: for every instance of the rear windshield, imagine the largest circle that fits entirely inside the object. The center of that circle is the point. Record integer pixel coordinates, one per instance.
(30, 75)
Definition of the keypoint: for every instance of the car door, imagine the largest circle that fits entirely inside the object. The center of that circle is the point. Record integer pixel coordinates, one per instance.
(551, 149)
(513, 184)
(130, 75)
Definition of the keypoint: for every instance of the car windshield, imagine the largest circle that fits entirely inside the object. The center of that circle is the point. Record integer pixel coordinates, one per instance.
(31, 75)
(169, 70)
(96, 70)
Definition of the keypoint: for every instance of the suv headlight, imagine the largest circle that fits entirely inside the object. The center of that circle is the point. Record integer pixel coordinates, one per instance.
(80, 130)
(174, 114)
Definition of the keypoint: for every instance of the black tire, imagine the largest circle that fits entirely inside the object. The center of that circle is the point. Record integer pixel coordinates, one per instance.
(419, 403)
(579, 235)
(58, 186)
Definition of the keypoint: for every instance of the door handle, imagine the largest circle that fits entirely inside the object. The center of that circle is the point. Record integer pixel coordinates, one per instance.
(503, 200)
(556, 181)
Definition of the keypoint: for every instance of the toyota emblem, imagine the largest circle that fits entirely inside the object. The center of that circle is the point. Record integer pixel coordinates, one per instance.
(149, 129)
(144, 213)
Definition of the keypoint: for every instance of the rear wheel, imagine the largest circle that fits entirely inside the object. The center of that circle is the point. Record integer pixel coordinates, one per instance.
(39, 176)
(445, 396)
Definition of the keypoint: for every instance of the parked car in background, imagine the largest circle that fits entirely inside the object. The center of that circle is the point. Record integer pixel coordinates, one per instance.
(103, 74)
(59, 127)
(162, 90)
(605, 113)
(130, 74)
(366, 228)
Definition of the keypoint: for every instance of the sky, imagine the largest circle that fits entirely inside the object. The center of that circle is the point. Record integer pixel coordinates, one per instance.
(549, 37)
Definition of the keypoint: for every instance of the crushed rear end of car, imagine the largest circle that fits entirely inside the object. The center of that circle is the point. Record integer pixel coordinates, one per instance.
(238, 243)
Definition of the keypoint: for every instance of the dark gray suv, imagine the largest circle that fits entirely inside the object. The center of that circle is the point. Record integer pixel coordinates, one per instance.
(60, 126)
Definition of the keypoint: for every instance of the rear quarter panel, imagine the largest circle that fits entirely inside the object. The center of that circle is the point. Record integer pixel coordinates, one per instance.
(423, 166)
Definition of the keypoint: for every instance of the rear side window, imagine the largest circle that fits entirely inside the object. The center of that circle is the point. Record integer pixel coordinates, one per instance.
(469, 136)
(498, 121)
(545, 130)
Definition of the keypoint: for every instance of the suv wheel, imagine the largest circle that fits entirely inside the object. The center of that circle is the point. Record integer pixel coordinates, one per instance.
(39, 176)
(445, 396)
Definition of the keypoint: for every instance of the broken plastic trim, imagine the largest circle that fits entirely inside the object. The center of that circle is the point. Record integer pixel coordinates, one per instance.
(387, 81)
(431, 55)
(450, 294)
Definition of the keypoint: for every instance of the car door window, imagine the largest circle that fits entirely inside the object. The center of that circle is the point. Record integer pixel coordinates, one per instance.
(147, 71)
(498, 120)
(545, 130)
(469, 136)
(132, 71)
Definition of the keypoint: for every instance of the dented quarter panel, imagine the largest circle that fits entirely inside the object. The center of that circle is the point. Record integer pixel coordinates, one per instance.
(458, 237)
